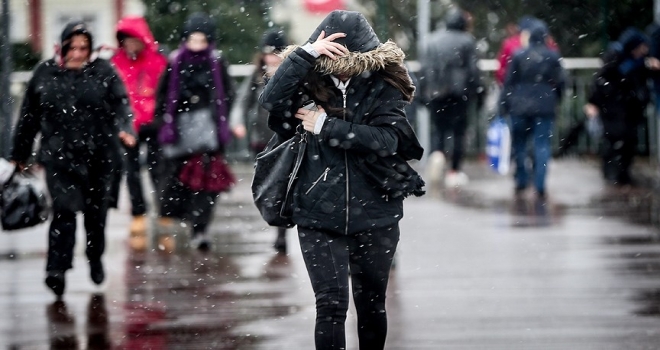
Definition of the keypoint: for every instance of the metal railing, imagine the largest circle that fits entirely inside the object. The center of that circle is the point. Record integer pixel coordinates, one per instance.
(579, 76)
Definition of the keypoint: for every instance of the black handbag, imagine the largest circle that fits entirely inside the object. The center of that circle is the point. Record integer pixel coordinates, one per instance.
(23, 203)
(275, 172)
(196, 133)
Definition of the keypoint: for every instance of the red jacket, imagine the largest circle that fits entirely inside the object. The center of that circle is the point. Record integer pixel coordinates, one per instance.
(141, 74)
(509, 46)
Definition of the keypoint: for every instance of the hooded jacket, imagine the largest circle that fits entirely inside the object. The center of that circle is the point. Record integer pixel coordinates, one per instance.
(355, 174)
(141, 73)
(449, 62)
(535, 79)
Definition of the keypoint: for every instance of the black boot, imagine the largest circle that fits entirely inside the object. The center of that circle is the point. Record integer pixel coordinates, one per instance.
(55, 281)
(96, 271)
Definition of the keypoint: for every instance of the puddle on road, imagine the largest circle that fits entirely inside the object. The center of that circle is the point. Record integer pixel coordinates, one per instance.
(201, 298)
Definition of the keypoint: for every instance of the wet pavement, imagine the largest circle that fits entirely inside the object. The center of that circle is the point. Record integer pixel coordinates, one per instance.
(476, 269)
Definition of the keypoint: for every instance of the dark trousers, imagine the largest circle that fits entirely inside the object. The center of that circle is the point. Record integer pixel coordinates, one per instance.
(449, 118)
(365, 258)
(148, 136)
(181, 202)
(619, 149)
(62, 235)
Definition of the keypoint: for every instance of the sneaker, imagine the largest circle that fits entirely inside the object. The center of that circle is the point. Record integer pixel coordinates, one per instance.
(96, 271)
(201, 242)
(456, 179)
(56, 282)
(435, 167)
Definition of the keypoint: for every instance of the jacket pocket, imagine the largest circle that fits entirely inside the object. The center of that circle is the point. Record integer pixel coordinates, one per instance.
(322, 177)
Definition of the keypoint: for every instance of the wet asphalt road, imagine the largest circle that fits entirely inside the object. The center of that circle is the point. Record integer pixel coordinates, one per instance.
(475, 269)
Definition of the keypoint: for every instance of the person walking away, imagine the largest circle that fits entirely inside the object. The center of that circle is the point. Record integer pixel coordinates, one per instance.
(247, 109)
(513, 43)
(79, 105)
(450, 81)
(348, 197)
(619, 96)
(140, 66)
(532, 90)
(196, 78)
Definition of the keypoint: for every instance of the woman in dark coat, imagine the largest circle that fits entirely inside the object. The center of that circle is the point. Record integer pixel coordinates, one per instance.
(80, 107)
(348, 199)
(196, 79)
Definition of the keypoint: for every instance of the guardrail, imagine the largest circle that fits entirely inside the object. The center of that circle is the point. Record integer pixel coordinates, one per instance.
(580, 73)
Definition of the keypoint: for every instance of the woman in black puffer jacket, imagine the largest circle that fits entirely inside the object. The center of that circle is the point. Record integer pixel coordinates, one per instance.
(348, 199)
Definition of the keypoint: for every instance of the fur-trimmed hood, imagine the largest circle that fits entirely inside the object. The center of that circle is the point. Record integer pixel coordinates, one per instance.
(356, 63)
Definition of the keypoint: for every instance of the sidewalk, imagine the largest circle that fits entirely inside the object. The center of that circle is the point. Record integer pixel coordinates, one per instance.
(475, 270)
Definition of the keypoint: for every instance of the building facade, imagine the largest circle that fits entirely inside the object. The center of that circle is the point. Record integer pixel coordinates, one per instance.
(40, 22)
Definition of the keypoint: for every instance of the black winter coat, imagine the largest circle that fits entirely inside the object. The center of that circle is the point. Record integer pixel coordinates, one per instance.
(355, 175)
(79, 114)
(534, 82)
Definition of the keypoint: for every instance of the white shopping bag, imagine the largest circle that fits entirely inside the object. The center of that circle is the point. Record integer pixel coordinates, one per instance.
(498, 145)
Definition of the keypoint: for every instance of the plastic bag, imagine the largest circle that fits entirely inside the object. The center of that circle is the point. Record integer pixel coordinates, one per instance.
(23, 203)
(498, 146)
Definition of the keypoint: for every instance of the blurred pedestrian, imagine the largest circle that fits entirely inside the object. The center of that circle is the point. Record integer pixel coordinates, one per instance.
(348, 198)
(247, 116)
(512, 43)
(619, 97)
(532, 90)
(196, 80)
(79, 105)
(450, 81)
(140, 66)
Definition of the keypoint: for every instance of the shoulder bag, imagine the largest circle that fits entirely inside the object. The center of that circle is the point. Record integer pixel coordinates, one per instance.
(275, 173)
(197, 132)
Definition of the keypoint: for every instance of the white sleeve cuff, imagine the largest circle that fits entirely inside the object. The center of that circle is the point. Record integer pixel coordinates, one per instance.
(310, 50)
(319, 123)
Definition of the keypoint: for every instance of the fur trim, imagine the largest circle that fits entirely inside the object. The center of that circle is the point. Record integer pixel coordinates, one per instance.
(357, 63)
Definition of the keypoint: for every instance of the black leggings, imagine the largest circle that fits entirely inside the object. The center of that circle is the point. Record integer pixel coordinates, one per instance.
(365, 257)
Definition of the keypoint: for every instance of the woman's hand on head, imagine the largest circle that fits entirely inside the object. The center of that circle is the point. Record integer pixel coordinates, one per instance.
(326, 45)
(309, 117)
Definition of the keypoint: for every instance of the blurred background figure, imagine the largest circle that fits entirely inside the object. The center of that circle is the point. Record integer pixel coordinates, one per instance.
(532, 89)
(79, 105)
(140, 66)
(196, 79)
(248, 118)
(450, 80)
(619, 97)
(513, 43)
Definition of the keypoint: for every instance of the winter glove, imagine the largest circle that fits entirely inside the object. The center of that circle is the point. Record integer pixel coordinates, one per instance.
(167, 134)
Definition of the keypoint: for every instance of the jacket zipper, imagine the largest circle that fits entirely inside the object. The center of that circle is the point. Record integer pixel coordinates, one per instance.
(323, 177)
(343, 93)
